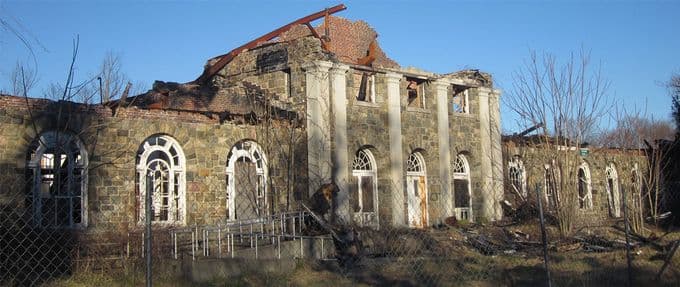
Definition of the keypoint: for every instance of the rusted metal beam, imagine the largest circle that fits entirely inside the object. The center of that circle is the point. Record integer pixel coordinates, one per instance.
(223, 60)
(316, 35)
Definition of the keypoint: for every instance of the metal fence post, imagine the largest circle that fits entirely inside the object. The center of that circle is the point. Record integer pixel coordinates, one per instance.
(147, 219)
(544, 238)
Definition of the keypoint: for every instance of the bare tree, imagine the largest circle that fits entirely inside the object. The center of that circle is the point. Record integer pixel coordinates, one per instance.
(569, 99)
(674, 88)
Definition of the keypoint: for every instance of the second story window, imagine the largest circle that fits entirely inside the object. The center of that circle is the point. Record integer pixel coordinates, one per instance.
(415, 90)
(460, 102)
(366, 87)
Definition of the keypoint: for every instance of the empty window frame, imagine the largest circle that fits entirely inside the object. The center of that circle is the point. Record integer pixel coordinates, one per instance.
(613, 194)
(364, 197)
(247, 186)
(161, 171)
(517, 176)
(57, 181)
(366, 92)
(553, 180)
(585, 194)
(415, 91)
(462, 188)
(460, 100)
(636, 180)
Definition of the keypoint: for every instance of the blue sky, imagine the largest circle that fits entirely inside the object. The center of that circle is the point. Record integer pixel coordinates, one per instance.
(636, 42)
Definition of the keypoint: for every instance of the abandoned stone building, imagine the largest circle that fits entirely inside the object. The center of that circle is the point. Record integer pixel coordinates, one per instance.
(258, 133)
(260, 130)
(599, 176)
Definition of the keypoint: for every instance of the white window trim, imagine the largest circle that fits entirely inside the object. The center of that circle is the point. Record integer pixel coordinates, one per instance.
(34, 164)
(465, 175)
(589, 189)
(261, 170)
(179, 169)
(372, 172)
(556, 193)
(613, 195)
(518, 165)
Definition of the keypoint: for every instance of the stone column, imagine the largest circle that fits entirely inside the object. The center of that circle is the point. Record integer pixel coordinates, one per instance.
(491, 161)
(396, 157)
(497, 153)
(441, 86)
(340, 169)
(318, 124)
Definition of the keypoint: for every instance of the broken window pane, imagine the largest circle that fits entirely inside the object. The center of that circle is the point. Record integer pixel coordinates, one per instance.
(56, 165)
(161, 175)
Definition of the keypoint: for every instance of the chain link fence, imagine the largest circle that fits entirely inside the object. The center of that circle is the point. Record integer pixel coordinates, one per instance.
(309, 247)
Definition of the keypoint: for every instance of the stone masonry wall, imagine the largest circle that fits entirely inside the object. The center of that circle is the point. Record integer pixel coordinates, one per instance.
(112, 143)
(534, 160)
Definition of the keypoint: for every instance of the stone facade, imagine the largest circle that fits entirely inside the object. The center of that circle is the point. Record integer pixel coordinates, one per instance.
(302, 106)
(628, 166)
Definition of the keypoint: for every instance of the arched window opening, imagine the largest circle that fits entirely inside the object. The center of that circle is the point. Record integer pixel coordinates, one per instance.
(416, 189)
(517, 177)
(613, 194)
(585, 195)
(247, 176)
(57, 181)
(636, 180)
(553, 179)
(461, 188)
(364, 193)
(161, 172)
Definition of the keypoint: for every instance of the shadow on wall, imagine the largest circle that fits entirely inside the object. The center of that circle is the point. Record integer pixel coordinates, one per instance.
(40, 215)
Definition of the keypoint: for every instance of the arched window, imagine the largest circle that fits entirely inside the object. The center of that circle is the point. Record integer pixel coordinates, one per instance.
(461, 188)
(416, 190)
(585, 195)
(553, 180)
(161, 172)
(636, 180)
(247, 175)
(613, 195)
(517, 176)
(364, 196)
(57, 181)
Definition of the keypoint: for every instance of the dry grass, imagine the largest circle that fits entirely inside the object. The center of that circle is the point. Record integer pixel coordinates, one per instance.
(458, 265)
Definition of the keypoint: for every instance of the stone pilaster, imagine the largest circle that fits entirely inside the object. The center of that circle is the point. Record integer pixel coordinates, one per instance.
(340, 169)
(496, 150)
(491, 168)
(441, 86)
(396, 158)
(318, 123)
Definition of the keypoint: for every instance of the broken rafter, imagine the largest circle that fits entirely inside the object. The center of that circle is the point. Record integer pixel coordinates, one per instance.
(223, 60)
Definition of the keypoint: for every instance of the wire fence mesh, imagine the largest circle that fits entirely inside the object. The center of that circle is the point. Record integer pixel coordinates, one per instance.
(309, 246)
